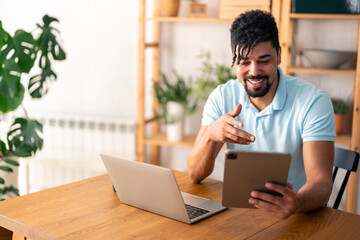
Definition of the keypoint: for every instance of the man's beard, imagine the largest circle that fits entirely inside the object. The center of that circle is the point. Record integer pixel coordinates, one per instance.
(258, 92)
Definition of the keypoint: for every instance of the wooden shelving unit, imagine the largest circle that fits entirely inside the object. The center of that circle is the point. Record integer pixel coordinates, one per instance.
(186, 19)
(159, 139)
(286, 35)
(156, 139)
(293, 70)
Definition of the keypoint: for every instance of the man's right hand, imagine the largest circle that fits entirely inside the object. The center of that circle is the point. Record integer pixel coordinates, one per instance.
(209, 141)
(223, 130)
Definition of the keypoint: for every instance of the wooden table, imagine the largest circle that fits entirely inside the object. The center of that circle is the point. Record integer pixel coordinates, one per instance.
(89, 209)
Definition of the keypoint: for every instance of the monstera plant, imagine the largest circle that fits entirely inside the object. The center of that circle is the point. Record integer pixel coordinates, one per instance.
(22, 54)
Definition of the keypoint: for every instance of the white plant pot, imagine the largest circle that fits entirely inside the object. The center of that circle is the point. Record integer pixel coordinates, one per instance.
(175, 130)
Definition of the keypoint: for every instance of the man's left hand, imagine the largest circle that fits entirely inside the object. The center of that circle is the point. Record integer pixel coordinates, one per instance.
(281, 207)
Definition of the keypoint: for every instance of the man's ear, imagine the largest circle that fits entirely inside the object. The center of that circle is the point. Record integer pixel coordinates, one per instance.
(279, 56)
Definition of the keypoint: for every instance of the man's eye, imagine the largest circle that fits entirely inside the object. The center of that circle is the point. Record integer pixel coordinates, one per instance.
(244, 63)
(264, 61)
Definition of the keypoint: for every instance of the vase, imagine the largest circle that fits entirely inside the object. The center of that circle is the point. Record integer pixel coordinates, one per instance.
(166, 8)
(176, 114)
(339, 123)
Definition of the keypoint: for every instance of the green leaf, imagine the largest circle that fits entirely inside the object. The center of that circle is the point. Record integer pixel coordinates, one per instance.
(2, 181)
(340, 107)
(49, 47)
(3, 148)
(11, 61)
(177, 91)
(12, 162)
(6, 169)
(48, 20)
(25, 50)
(24, 137)
(11, 89)
(48, 43)
(39, 84)
(22, 49)
(14, 190)
(4, 36)
(211, 75)
(5, 190)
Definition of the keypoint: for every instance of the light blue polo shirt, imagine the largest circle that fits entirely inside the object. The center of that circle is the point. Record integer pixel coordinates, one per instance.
(299, 112)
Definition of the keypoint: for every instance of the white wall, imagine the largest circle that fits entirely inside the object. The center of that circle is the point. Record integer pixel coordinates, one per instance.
(100, 38)
(99, 76)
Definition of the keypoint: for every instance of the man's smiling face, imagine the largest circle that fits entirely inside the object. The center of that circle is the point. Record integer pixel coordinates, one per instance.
(258, 71)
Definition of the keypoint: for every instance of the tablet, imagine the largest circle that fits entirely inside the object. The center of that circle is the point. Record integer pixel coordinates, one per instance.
(248, 171)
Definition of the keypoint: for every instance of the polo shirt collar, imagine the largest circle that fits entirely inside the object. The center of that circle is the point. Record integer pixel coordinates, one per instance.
(279, 98)
(280, 95)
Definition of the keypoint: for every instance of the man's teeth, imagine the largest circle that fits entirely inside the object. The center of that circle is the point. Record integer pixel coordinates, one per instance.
(255, 81)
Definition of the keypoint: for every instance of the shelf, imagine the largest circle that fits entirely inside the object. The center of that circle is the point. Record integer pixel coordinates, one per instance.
(324, 16)
(321, 71)
(159, 139)
(186, 19)
(344, 139)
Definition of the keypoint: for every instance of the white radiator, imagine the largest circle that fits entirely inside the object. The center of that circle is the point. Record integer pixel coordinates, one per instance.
(72, 145)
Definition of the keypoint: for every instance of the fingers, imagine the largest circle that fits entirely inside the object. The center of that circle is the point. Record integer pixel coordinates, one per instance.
(241, 135)
(270, 208)
(237, 111)
(226, 129)
(287, 191)
(233, 121)
(275, 200)
(281, 207)
(237, 140)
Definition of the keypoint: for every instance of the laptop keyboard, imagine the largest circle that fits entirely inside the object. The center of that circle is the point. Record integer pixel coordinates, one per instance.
(195, 211)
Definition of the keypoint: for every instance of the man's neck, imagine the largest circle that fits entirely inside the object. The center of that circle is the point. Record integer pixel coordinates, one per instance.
(262, 102)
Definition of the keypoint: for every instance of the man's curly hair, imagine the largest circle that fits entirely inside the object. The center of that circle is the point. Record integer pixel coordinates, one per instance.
(250, 29)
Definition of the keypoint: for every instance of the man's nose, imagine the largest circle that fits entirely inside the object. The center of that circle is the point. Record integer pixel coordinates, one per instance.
(254, 69)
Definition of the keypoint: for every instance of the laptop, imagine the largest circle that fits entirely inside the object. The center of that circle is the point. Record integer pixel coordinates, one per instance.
(247, 171)
(154, 189)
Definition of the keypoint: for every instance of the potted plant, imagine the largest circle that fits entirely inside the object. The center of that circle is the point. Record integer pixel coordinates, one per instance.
(19, 54)
(211, 75)
(340, 111)
(175, 101)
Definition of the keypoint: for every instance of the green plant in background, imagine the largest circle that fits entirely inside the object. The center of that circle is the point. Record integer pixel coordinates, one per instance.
(211, 75)
(177, 91)
(340, 107)
(19, 54)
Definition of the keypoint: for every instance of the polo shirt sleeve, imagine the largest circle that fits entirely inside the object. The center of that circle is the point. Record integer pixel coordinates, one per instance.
(212, 109)
(319, 123)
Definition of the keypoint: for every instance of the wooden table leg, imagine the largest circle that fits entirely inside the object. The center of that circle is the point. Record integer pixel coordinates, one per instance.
(5, 234)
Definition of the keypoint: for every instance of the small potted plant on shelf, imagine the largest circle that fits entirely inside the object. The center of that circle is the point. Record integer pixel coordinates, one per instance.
(211, 75)
(175, 101)
(19, 54)
(340, 111)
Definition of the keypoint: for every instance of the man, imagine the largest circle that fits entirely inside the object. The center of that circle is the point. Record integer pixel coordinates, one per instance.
(265, 110)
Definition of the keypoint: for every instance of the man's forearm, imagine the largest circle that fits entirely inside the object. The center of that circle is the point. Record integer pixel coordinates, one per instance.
(313, 195)
(201, 159)
(318, 162)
